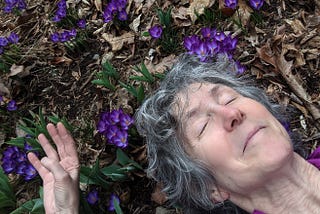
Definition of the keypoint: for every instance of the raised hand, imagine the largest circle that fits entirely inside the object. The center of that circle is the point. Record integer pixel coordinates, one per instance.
(59, 171)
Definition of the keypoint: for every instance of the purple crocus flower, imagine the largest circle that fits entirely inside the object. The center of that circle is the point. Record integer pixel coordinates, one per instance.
(22, 5)
(202, 51)
(113, 198)
(55, 37)
(114, 116)
(112, 7)
(220, 36)
(156, 31)
(122, 15)
(240, 69)
(13, 38)
(256, 4)
(3, 41)
(125, 121)
(107, 16)
(82, 23)
(208, 33)
(56, 18)
(64, 36)
(213, 47)
(62, 4)
(93, 197)
(111, 134)
(231, 3)
(29, 172)
(7, 9)
(121, 4)
(191, 42)
(121, 139)
(12, 106)
(8, 166)
(72, 33)
(1, 98)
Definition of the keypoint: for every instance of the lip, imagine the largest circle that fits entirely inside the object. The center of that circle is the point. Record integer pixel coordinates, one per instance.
(250, 135)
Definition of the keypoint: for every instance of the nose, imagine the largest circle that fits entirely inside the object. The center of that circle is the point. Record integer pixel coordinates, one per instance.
(231, 117)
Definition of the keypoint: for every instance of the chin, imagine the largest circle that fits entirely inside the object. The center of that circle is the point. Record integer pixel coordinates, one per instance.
(276, 158)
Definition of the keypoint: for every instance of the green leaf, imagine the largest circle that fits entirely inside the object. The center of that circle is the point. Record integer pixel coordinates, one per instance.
(34, 206)
(140, 94)
(117, 206)
(146, 33)
(125, 160)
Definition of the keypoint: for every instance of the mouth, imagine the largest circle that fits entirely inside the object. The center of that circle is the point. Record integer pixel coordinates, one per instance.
(250, 135)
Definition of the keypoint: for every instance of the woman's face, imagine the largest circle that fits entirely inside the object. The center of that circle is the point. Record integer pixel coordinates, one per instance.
(237, 137)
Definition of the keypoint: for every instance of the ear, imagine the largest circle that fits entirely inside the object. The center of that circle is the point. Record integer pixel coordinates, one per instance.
(219, 195)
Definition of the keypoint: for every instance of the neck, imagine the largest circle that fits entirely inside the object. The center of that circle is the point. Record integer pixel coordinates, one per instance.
(293, 189)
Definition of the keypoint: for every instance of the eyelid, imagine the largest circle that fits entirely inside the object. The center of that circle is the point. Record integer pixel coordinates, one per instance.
(230, 100)
(203, 128)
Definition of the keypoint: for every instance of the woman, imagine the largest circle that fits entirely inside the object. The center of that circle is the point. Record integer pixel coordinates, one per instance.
(214, 141)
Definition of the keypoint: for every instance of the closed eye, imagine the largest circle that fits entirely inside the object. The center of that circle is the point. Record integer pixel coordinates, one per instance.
(203, 129)
(231, 100)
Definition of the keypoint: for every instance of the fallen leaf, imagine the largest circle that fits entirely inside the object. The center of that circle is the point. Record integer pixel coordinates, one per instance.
(198, 6)
(266, 54)
(296, 26)
(161, 67)
(98, 5)
(18, 70)
(135, 24)
(158, 196)
(243, 14)
(118, 42)
(179, 16)
(65, 60)
(3, 89)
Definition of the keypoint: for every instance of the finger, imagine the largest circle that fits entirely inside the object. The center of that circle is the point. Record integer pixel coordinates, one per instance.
(68, 141)
(55, 168)
(47, 147)
(37, 165)
(57, 140)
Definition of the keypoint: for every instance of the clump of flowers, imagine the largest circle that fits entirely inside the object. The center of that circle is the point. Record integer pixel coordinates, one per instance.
(256, 4)
(92, 197)
(113, 198)
(115, 8)
(5, 42)
(156, 31)
(64, 36)
(15, 160)
(211, 43)
(11, 5)
(114, 126)
(61, 11)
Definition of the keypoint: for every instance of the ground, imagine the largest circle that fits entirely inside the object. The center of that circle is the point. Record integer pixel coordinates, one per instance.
(279, 45)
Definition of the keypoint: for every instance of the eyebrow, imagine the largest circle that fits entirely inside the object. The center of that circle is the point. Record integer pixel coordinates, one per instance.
(214, 91)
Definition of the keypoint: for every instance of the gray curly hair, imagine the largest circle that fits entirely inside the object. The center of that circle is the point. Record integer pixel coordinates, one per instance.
(186, 181)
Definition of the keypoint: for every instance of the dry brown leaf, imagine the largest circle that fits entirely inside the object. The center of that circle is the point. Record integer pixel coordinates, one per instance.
(135, 24)
(65, 60)
(98, 5)
(266, 54)
(296, 25)
(3, 89)
(18, 70)
(179, 16)
(243, 14)
(161, 67)
(158, 196)
(298, 55)
(198, 6)
(118, 42)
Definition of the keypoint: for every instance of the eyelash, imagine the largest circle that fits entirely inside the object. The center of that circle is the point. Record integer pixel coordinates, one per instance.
(230, 101)
(204, 127)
